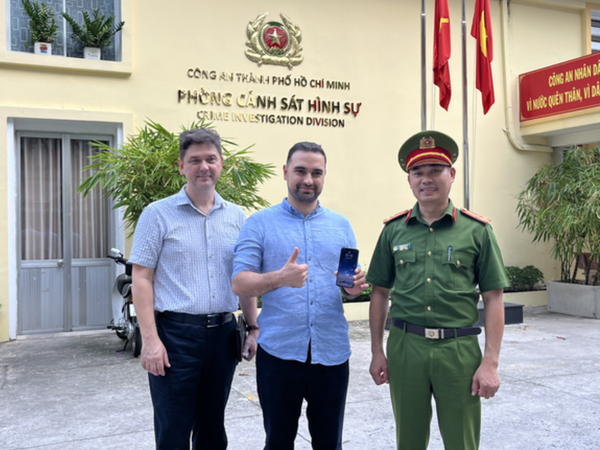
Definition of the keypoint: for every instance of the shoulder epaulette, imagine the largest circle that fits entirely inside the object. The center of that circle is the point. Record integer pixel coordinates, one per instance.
(396, 216)
(475, 216)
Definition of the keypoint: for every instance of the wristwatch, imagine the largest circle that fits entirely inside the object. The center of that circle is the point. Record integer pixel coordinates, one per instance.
(252, 327)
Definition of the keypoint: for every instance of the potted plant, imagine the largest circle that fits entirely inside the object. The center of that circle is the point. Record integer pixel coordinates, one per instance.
(561, 204)
(42, 26)
(95, 33)
(145, 169)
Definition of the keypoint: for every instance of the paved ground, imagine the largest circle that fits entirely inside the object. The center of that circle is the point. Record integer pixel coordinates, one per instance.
(76, 392)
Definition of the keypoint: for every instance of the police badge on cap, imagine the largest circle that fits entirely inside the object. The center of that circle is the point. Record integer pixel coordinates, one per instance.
(427, 147)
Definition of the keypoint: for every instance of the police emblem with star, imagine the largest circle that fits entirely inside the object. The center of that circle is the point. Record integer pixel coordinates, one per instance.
(273, 42)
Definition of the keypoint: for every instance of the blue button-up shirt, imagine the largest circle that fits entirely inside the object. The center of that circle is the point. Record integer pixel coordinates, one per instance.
(291, 318)
(190, 252)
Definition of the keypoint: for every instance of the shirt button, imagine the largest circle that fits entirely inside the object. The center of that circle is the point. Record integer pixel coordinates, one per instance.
(401, 261)
(210, 256)
(310, 258)
(310, 281)
(308, 239)
(429, 308)
(428, 253)
(431, 230)
(311, 324)
(311, 303)
(429, 280)
(458, 263)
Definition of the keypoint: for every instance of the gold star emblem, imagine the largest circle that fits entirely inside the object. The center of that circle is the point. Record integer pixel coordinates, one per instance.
(483, 34)
(427, 143)
(443, 20)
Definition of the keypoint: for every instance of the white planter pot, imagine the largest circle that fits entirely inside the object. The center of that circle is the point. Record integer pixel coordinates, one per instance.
(574, 299)
(92, 53)
(42, 48)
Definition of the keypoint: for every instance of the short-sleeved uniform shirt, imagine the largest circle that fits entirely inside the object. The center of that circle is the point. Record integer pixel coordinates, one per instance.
(434, 269)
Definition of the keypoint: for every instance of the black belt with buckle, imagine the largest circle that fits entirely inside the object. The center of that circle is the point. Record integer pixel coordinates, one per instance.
(204, 320)
(436, 333)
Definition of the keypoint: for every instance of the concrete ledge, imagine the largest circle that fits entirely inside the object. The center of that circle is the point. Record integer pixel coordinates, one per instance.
(527, 298)
(356, 310)
(574, 299)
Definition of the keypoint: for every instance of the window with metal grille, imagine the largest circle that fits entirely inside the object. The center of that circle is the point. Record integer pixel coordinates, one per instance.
(65, 45)
(595, 16)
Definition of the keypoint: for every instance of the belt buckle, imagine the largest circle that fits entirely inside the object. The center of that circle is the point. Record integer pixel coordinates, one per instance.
(432, 333)
(212, 320)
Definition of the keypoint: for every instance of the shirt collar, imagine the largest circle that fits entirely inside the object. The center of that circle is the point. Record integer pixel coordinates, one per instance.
(450, 212)
(289, 208)
(182, 198)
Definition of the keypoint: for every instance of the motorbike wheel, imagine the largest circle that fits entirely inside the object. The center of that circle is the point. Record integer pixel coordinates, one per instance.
(137, 342)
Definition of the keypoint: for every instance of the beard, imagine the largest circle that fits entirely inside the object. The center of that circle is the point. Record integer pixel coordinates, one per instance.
(305, 196)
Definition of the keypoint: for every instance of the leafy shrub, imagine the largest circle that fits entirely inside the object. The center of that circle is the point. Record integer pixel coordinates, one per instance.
(42, 22)
(95, 31)
(523, 279)
(560, 204)
(145, 169)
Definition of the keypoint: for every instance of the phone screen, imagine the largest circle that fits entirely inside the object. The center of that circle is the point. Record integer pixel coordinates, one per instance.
(347, 266)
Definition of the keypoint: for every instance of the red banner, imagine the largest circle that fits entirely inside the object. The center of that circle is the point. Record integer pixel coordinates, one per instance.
(562, 88)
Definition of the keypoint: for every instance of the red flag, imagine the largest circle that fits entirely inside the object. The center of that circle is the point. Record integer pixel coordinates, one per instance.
(441, 52)
(482, 31)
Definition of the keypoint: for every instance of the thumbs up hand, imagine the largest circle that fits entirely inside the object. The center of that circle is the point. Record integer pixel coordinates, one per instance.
(293, 274)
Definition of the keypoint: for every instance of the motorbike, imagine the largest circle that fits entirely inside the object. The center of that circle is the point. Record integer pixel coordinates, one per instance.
(124, 321)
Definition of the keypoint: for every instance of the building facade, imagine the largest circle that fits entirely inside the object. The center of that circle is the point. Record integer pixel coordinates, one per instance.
(345, 74)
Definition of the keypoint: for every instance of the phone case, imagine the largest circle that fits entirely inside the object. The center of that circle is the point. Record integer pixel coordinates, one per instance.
(347, 266)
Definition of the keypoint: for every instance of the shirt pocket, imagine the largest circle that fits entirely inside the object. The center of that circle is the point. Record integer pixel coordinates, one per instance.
(458, 270)
(407, 272)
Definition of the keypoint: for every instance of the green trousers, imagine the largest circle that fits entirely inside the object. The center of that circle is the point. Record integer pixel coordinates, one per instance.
(419, 367)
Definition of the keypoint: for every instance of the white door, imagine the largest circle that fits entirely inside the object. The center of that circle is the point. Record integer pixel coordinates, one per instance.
(64, 276)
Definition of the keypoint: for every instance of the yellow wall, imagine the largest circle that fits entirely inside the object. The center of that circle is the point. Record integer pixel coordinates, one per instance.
(374, 46)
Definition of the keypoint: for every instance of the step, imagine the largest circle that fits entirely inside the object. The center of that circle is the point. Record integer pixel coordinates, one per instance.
(513, 313)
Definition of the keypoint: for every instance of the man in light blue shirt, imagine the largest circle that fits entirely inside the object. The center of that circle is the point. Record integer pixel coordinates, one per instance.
(289, 254)
(182, 260)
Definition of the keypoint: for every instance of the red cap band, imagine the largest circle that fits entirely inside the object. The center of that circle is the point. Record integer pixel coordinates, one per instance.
(436, 155)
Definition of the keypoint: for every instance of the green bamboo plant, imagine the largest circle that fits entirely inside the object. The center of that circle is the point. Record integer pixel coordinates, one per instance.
(561, 204)
(95, 31)
(42, 21)
(145, 169)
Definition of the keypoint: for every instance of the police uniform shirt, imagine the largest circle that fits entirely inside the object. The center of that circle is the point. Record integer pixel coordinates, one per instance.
(433, 269)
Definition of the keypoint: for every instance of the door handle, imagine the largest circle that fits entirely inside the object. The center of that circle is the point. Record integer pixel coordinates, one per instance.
(60, 263)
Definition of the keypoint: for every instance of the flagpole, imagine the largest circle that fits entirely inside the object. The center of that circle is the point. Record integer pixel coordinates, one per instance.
(467, 199)
(423, 70)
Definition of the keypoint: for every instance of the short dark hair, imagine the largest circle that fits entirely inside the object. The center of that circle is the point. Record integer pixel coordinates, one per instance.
(198, 136)
(306, 147)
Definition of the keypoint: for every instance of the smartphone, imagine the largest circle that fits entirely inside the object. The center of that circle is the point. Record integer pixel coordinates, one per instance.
(347, 266)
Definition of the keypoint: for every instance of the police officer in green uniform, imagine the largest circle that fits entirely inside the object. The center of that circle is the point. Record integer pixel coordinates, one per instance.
(430, 259)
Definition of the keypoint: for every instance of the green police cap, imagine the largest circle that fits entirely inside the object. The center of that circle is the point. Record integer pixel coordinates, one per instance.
(427, 147)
